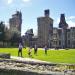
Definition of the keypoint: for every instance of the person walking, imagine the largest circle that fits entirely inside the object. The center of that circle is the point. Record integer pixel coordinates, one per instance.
(29, 51)
(20, 50)
(45, 49)
(35, 49)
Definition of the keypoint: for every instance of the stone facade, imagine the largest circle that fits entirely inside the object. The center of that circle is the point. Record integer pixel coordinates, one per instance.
(29, 37)
(72, 37)
(45, 27)
(15, 22)
(55, 38)
(58, 40)
(62, 37)
(63, 25)
(68, 38)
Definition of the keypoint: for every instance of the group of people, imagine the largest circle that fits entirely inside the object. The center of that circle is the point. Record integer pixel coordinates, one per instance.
(30, 50)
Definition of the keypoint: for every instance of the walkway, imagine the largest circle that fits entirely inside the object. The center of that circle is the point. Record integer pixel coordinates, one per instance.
(29, 60)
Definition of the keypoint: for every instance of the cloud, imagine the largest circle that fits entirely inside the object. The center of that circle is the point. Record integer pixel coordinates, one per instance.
(26, 0)
(26, 3)
(72, 17)
(15, 2)
(9, 1)
(7, 24)
(70, 21)
(58, 20)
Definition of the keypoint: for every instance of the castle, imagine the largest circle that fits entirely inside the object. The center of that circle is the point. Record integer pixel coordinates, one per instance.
(62, 37)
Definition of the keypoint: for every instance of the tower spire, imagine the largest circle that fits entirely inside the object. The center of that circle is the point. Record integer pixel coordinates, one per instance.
(62, 23)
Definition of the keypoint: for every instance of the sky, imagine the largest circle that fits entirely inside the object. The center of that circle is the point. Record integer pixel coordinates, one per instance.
(32, 9)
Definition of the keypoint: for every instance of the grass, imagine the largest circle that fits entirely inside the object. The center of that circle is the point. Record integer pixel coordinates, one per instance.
(55, 56)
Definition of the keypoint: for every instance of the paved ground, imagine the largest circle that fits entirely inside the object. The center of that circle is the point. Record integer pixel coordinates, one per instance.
(28, 59)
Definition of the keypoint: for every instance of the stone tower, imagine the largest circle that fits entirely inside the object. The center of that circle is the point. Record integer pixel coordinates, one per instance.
(45, 27)
(16, 21)
(63, 25)
(46, 13)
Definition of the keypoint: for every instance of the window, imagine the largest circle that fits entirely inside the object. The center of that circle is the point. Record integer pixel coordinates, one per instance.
(69, 42)
(59, 42)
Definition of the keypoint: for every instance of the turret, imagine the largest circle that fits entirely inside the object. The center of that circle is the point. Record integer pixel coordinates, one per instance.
(62, 23)
(46, 13)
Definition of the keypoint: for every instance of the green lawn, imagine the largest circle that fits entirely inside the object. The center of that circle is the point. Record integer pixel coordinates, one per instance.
(56, 56)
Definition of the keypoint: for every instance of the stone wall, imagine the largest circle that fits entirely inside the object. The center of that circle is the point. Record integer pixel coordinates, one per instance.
(9, 67)
(17, 72)
(5, 55)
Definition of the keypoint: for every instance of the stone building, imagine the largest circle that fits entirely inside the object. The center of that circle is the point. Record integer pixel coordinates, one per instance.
(15, 22)
(57, 41)
(29, 37)
(55, 38)
(62, 37)
(72, 37)
(63, 25)
(45, 28)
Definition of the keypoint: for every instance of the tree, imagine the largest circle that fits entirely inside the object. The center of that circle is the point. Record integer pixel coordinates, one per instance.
(2, 31)
(7, 37)
(2, 26)
(7, 34)
(15, 37)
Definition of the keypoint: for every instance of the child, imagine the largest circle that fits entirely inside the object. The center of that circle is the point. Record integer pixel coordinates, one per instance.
(29, 51)
(35, 49)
